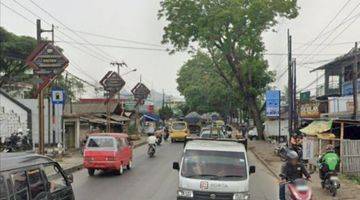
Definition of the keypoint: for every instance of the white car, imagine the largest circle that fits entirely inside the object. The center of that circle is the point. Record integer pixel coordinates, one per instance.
(214, 169)
(253, 134)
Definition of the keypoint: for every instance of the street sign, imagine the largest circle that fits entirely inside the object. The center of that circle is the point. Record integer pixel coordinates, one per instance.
(140, 91)
(112, 82)
(273, 103)
(47, 59)
(57, 96)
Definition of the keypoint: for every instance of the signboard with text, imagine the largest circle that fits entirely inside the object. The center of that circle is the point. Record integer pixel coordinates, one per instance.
(273, 103)
(112, 82)
(140, 91)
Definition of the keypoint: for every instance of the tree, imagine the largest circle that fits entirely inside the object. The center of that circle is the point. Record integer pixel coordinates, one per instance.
(165, 112)
(230, 30)
(203, 89)
(13, 52)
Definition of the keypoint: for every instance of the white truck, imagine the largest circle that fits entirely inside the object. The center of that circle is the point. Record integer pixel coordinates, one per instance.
(213, 169)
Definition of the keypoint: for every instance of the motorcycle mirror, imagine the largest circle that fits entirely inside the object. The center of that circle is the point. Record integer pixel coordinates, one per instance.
(252, 169)
(176, 166)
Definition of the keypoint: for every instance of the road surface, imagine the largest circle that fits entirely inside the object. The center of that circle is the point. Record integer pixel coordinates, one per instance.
(154, 179)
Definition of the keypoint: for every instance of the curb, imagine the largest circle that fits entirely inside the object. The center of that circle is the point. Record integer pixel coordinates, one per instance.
(265, 164)
(80, 166)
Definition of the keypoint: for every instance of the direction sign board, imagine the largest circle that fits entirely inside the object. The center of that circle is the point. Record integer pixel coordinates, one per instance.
(273, 103)
(112, 82)
(47, 59)
(140, 91)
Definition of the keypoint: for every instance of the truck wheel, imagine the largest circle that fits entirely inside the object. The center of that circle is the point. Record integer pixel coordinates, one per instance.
(172, 140)
(129, 166)
(91, 172)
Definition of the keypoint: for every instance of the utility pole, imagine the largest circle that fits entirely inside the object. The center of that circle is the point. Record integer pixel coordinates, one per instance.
(355, 77)
(294, 102)
(290, 86)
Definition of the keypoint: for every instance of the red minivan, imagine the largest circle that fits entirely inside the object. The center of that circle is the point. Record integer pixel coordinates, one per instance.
(108, 151)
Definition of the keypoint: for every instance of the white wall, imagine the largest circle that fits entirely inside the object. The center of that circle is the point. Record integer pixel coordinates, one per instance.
(12, 117)
(340, 104)
(272, 127)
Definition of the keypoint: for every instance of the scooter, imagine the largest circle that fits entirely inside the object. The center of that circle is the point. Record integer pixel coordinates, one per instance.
(151, 150)
(331, 183)
(281, 150)
(298, 190)
(159, 140)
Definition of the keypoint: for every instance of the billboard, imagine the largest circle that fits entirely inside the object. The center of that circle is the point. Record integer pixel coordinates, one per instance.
(273, 103)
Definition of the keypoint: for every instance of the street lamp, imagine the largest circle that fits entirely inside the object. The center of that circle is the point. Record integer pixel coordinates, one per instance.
(133, 70)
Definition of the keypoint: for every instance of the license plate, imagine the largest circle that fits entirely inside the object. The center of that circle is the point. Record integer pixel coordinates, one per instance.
(302, 188)
(334, 178)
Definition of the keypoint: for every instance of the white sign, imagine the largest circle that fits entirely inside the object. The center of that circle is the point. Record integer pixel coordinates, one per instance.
(308, 149)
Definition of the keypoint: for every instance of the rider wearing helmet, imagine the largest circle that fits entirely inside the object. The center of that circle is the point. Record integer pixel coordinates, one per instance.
(328, 161)
(291, 170)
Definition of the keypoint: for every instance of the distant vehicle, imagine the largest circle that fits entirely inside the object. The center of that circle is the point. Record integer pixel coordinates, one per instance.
(179, 131)
(213, 169)
(108, 151)
(219, 123)
(32, 176)
(212, 133)
(253, 134)
(227, 130)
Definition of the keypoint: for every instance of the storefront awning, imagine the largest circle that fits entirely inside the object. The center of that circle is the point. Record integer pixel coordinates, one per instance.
(317, 127)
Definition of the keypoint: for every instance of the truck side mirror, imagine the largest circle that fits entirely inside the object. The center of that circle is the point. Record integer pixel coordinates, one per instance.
(252, 169)
(70, 178)
(176, 166)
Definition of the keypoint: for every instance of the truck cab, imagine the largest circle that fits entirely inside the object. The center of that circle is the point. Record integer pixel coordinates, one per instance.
(214, 169)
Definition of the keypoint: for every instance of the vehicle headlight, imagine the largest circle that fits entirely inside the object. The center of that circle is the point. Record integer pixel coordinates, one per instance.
(241, 196)
(185, 193)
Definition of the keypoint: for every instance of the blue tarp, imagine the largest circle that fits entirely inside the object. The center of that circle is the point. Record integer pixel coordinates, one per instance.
(151, 117)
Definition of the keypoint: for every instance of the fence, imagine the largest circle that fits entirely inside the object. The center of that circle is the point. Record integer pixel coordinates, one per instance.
(350, 157)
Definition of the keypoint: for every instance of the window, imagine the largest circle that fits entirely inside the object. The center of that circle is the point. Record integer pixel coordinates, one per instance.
(101, 142)
(55, 178)
(19, 181)
(334, 82)
(3, 190)
(37, 185)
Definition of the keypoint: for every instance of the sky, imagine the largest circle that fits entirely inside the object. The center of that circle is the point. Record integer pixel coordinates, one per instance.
(136, 20)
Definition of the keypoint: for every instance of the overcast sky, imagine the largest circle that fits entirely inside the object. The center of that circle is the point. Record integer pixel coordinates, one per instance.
(137, 20)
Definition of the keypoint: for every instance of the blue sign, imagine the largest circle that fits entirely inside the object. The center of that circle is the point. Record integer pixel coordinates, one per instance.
(347, 87)
(57, 96)
(273, 103)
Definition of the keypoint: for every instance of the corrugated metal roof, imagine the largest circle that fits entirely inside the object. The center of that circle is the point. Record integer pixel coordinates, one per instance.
(89, 108)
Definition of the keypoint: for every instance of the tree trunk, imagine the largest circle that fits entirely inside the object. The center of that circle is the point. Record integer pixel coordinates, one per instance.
(256, 115)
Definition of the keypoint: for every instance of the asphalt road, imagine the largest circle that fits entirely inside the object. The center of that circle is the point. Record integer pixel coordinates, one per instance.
(154, 179)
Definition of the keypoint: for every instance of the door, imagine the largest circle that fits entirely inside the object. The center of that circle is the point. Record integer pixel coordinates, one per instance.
(124, 148)
(37, 184)
(59, 188)
(70, 135)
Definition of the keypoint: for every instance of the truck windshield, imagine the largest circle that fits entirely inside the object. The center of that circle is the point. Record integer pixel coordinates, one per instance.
(214, 165)
(101, 142)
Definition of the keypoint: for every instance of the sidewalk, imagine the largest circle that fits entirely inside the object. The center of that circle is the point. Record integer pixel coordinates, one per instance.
(73, 161)
(264, 151)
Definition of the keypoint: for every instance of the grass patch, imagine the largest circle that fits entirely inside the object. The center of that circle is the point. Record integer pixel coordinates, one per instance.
(353, 178)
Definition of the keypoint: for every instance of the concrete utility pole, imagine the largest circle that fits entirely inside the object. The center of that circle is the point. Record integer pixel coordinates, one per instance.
(295, 116)
(290, 84)
(118, 65)
(355, 77)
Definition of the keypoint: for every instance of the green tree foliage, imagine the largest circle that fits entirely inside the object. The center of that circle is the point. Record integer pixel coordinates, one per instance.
(13, 52)
(166, 112)
(204, 90)
(230, 30)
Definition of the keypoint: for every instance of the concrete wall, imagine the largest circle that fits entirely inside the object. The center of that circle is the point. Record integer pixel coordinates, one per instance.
(12, 117)
(342, 104)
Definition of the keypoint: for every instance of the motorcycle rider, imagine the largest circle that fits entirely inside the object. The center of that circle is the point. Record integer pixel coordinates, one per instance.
(328, 162)
(291, 170)
(151, 142)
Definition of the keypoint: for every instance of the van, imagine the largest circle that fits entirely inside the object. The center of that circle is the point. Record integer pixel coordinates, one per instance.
(179, 131)
(108, 151)
(31, 176)
(214, 169)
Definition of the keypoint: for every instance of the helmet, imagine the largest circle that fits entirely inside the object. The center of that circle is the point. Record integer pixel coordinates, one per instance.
(292, 155)
(329, 148)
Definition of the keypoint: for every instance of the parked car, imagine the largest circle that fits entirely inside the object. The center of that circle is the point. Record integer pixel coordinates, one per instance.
(108, 151)
(32, 176)
(179, 131)
(253, 134)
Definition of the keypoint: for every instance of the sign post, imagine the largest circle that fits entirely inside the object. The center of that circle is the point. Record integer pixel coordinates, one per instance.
(140, 92)
(112, 83)
(47, 62)
(273, 106)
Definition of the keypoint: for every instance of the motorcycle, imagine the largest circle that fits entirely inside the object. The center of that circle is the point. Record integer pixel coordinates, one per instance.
(298, 190)
(166, 135)
(151, 150)
(16, 142)
(331, 183)
(159, 140)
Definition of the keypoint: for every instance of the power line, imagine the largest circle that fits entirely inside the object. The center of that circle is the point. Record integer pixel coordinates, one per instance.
(82, 38)
(17, 13)
(117, 39)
